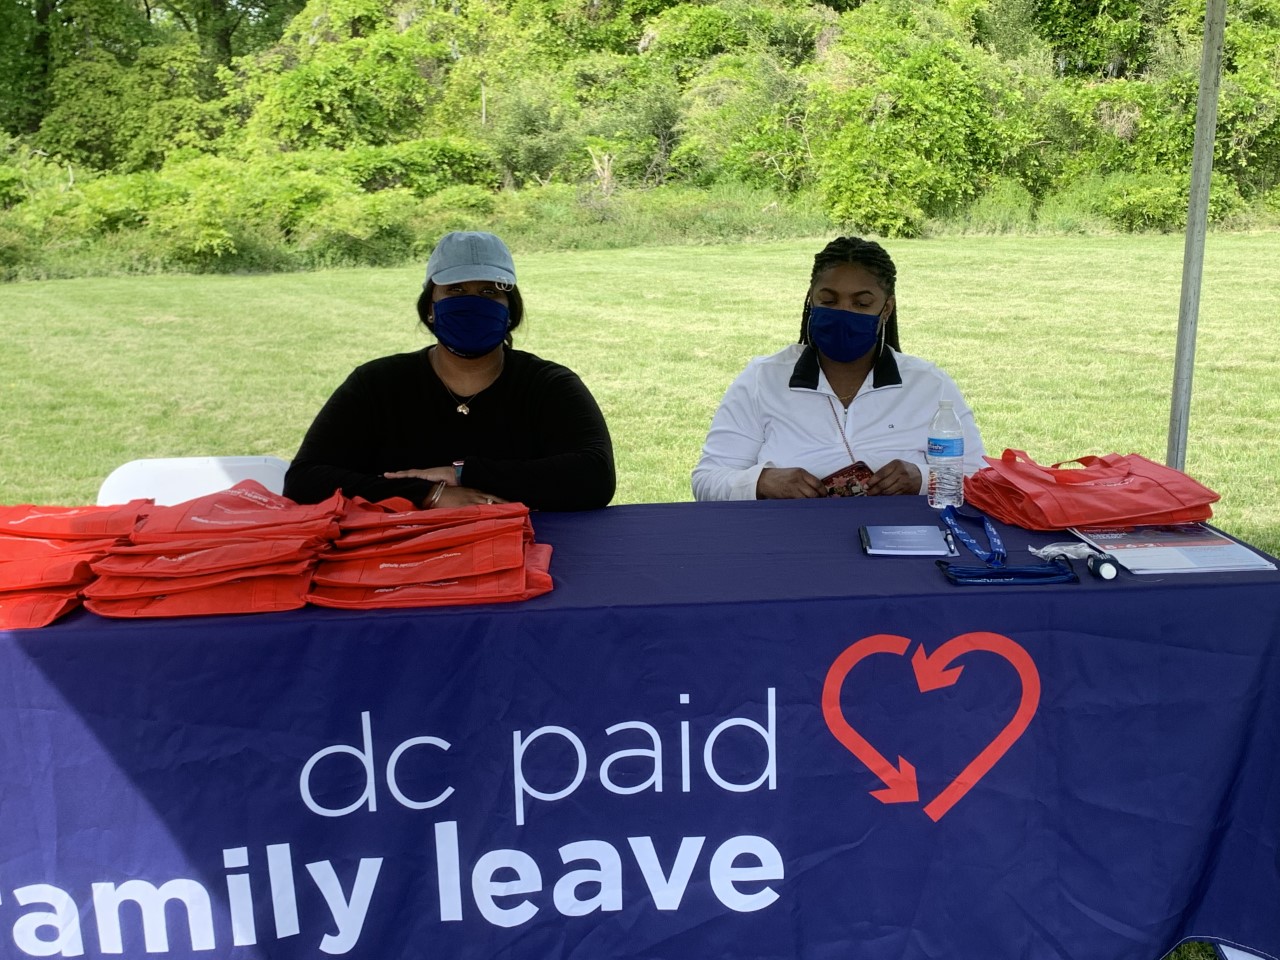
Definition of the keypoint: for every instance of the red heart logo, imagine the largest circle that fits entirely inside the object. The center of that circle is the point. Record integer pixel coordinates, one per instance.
(933, 671)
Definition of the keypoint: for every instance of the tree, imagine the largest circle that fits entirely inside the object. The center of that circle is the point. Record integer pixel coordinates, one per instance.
(909, 120)
(40, 37)
(743, 120)
(1099, 37)
(112, 116)
(228, 28)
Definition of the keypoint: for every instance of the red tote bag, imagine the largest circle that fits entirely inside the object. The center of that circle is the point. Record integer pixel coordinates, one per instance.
(1101, 490)
(501, 586)
(42, 573)
(186, 558)
(363, 524)
(504, 552)
(434, 541)
(246, 510)
(27, 610)
(35, 548)
(112, 587)
(250, 595)
(72, 523)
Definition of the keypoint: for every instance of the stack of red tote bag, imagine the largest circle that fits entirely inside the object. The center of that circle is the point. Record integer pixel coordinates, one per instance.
(390, 554)
(242, 550)
(45, 556)
(1089, 491)
(247, 550)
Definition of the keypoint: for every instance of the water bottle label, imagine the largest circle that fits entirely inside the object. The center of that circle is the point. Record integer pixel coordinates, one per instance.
(944, 447)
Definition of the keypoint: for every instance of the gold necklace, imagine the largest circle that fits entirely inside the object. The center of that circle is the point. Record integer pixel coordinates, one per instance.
(463, 403)
(463, 406)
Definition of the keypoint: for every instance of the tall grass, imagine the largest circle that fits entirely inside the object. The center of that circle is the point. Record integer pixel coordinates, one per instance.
(249, 230)
(1064, 346)
(268, 223)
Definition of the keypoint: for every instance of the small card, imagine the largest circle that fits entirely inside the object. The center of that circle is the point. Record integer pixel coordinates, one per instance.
(906, 541)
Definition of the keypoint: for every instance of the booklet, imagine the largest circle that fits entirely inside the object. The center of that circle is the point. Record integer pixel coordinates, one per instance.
(906, 541)
(1172, 548)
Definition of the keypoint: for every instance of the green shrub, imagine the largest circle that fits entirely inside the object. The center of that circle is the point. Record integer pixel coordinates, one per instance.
(1134, 202)
(55, 213)
(422, 166)
(25, 172)
(109, 204)
(228, 215)
(195, 234)
(1225, 201)
(371, 89)
(1073, 208)
(630, 138)
(908, 120)
(741, 120)
(16, 247)
(370, 229)
(115, 116)
(453, 208)
(1252, 216)
(1150, 201)
(12, 187)
(1147, 127)
(689, 33)
(469, 199)
(558, 217)
(1006, 207)
(535, 131)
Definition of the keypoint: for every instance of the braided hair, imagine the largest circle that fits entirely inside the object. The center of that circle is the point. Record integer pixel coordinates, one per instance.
(867, 254)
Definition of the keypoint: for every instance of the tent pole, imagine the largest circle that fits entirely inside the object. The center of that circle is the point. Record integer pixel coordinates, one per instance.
(1197, 223)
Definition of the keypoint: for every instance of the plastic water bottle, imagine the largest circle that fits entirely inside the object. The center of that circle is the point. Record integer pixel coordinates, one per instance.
(946, 458)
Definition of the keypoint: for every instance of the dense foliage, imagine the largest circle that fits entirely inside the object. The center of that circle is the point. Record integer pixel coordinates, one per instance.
(261, 134)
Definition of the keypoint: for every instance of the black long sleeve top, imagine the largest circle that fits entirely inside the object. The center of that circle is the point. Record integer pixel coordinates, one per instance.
(535, 435)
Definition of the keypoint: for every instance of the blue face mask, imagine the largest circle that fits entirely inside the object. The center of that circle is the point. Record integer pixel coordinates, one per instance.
(470, 326)
(842, 335)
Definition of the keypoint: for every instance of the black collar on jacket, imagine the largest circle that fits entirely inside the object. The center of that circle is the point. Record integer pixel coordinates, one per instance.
(805, 373)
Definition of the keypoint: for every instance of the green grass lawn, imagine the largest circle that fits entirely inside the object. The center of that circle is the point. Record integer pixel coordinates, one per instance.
(1063, 345)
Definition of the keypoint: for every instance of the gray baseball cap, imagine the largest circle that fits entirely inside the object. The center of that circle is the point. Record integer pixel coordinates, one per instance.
(463, 255)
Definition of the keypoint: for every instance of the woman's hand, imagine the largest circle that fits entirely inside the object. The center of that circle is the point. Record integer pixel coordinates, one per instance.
(434, 474)
(452, 495)
(464, 497)
(788, 483)
(895, 477)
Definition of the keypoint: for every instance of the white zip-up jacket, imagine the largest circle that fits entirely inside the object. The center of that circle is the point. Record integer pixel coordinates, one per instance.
(781, 412)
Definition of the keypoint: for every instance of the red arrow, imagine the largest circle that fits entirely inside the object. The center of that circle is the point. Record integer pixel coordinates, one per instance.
(900, 781)
(932, 674)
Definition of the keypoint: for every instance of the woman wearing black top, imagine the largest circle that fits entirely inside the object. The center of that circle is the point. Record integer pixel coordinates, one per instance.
(470, 420)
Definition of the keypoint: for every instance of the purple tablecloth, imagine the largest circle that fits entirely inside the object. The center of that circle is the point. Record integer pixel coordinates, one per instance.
(726, 733)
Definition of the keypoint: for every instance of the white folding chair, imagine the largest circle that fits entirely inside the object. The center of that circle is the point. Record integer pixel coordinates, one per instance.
(169, 480)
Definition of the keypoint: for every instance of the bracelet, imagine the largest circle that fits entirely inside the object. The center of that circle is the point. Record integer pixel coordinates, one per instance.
(436, 494)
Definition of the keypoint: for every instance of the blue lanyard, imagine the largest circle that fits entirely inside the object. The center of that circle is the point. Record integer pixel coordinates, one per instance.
(997, 554)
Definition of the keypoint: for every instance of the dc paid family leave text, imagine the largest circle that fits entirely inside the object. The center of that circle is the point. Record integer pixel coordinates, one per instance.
(503, 887)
